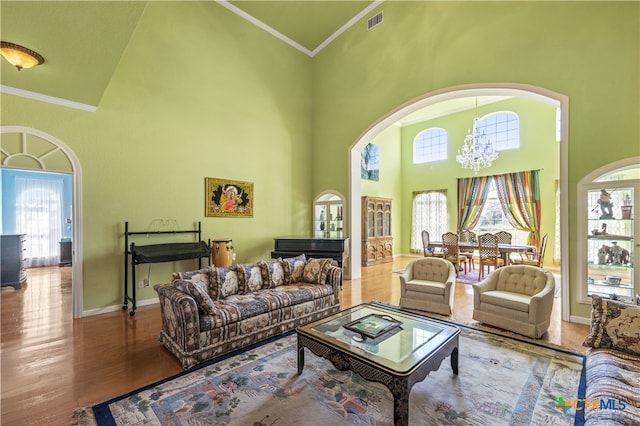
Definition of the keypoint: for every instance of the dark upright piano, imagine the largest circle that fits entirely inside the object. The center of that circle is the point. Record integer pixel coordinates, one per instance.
(334, 248)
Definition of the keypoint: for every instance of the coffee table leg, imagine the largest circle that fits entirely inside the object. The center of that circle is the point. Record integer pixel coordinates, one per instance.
(400, 403)
(300, 359)
(454, 361)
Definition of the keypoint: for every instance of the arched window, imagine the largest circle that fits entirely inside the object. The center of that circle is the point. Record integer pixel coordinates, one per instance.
(429, 213)
(430, 145)
(502, 129)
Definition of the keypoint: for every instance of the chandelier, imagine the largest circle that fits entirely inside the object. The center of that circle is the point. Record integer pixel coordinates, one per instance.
(477, 151)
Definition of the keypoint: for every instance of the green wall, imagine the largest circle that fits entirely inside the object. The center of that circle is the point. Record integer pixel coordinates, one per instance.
(588, 51)
(241, 112)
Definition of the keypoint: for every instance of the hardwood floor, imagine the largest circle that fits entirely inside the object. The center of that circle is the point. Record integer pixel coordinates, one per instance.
(52, 364)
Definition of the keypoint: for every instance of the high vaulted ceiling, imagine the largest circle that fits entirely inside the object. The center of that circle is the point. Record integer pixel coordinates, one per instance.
(83, 41)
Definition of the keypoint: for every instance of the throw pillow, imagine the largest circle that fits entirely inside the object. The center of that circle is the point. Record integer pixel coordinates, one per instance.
(252, 277)
(614, 325)
(293, 268)
(315, 271)
(224, 282)
(199, 294)
(275, 274)
(201, 277)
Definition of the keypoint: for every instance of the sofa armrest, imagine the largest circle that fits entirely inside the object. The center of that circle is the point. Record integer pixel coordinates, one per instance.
(407, 274)
(541, 303)
(452, 274)
(334, 279)
(488, 284)
(180, 317)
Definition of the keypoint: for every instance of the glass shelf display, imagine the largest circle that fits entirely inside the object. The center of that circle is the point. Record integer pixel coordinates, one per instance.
(610, 242)
(328, 217)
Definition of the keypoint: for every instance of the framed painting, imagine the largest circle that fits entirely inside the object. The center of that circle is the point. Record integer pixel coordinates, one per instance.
(370, 162)
(228, 198)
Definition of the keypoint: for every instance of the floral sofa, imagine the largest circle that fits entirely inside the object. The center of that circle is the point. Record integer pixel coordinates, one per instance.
(613, 364)
(216, 310)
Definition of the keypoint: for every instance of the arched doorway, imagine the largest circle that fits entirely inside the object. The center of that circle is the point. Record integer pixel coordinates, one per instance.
(432, 98)
(31, 149)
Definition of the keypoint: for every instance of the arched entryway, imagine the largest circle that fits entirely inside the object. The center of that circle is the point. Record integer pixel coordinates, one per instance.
(31, 149)
(431, 98)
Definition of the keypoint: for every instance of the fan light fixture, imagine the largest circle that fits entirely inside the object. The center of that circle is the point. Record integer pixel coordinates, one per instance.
(477, 151)
(19, 56)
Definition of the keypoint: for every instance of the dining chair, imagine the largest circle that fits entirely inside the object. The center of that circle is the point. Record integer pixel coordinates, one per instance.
(467, 236)
(427, 248)
(451, 251)
(504, 237)
(532, 259)
(488, 252)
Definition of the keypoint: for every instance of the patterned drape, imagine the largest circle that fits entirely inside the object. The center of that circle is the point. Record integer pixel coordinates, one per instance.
(519, 194)
(472, 193)
(430, 214)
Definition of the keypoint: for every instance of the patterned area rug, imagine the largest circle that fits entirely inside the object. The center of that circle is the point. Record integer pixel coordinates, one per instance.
(501, 381)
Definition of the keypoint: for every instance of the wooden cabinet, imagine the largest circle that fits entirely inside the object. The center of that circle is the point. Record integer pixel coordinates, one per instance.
(13, 260)
(377, 242)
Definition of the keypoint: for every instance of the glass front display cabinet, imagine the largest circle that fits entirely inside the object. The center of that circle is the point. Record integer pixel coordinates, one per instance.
(611, 241)
(328, 211)
(377, 242)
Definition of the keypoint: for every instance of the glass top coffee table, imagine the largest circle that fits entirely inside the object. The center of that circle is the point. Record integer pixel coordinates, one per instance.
(392, 347)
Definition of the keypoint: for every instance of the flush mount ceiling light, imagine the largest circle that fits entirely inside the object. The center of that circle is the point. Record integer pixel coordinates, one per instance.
(19, 56)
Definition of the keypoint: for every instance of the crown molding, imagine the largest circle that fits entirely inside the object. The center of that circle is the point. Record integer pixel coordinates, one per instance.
(267, 28)
(46, 98)
(293, 43)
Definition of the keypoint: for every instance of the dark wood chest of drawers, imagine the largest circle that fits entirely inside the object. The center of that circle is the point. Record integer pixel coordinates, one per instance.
(12, 260)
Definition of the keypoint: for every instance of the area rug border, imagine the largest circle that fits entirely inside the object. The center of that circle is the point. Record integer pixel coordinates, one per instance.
(102, 413)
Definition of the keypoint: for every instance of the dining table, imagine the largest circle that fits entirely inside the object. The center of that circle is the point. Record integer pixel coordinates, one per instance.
(505, 249)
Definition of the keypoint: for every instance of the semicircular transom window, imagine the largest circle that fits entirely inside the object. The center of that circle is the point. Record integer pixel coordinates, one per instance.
(502, 129)
(430, 145)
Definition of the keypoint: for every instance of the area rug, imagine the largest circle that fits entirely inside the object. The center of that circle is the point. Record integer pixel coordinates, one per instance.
(501, 381)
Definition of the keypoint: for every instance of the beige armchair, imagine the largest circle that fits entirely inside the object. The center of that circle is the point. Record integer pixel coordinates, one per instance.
(517, 298)
(428, 285)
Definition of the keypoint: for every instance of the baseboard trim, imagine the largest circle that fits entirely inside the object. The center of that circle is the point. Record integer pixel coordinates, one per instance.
(580, 320)
(114, 308)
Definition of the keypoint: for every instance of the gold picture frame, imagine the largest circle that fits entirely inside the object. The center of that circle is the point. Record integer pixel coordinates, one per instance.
(228, 198)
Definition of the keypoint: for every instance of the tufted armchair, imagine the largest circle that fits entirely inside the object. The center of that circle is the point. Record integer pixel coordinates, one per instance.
(428, 285)
(517, 298)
